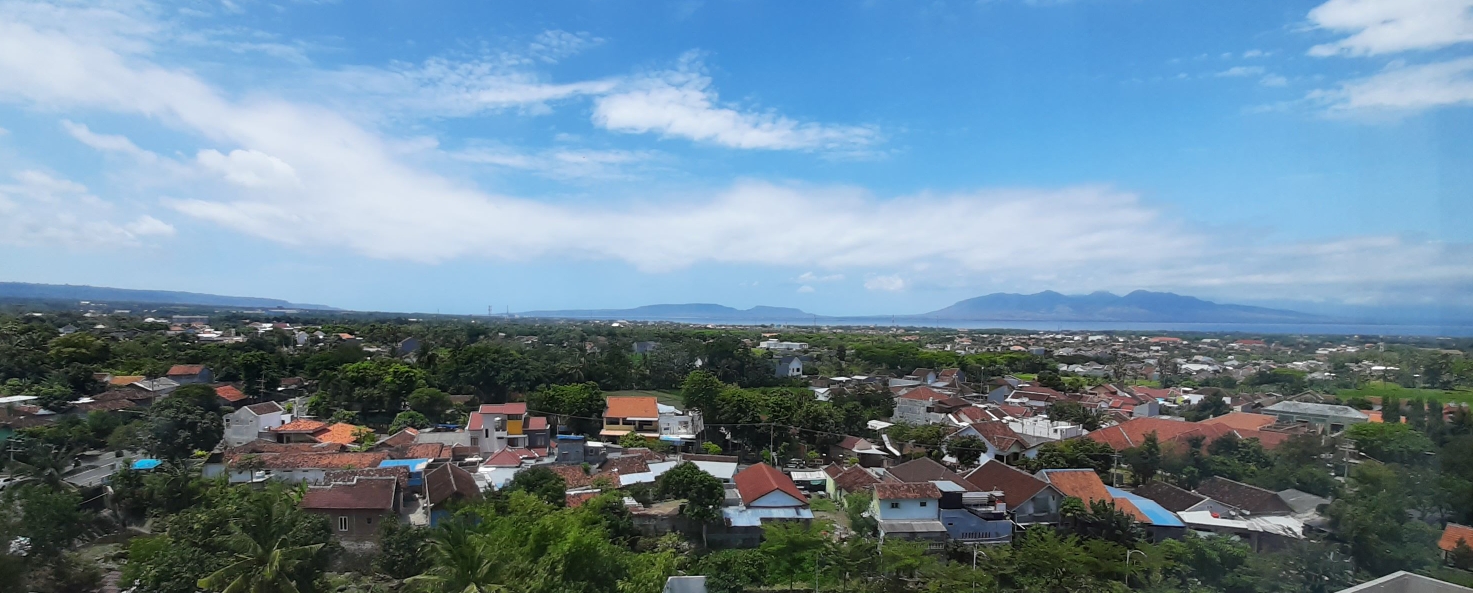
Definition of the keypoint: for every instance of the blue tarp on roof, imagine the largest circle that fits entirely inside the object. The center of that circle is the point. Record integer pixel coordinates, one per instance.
(1158, 515)
(146, 463)
(416, 468)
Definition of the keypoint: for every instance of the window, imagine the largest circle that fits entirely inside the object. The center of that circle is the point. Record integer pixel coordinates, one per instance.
(342, 523)
(894, 505)
(368, 520)
(923, 503)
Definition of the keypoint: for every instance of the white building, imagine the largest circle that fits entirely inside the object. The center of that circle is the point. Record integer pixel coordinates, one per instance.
(251, 422)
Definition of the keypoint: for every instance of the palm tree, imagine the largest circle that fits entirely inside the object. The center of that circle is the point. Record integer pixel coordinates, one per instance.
(264, 559)
(45, 465)
(462, 563)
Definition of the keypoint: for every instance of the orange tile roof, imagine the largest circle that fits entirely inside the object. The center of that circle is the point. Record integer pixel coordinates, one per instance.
(301, 425)
(1133, 432)
(631, 407)
(341, 433)
(1242, 420)
(1452, 534)
(1083, 484)
(229, 393)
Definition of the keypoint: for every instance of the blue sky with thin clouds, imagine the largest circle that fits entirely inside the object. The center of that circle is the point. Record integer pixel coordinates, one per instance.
(841, 157)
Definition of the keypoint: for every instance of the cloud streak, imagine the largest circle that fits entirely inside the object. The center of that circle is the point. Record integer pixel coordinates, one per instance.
(1378, 27)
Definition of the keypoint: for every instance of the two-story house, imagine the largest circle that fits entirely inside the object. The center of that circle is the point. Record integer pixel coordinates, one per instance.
(789, 366)
(252, 422)
(908, 511)
(623, 415)
(1028, 499)
(677, 425)
(926, 405)
(186, 374)
(494, 427)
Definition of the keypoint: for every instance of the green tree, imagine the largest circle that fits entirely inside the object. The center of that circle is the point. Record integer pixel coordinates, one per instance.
(409, 419)
(791, 549)
(633, 440)
(430, 402)
(179, 425)
(265, 561)
(1391, 410)
(702, 492)
(1144, 460)
(78, 348)
(578, 404)
(402, 550)
(966, 449)
(700, 391)
(1416, 414)
(460, 562)
(856, 507)
(542, 483)
(1374, 519)
(1391, 442)
(711, 448)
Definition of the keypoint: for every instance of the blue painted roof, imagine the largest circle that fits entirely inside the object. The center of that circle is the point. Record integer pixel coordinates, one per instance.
(146, 463)
(1158, 515)
(571, 437)
(414, 465)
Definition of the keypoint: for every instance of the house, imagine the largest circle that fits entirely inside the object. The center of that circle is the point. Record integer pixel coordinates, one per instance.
(764, 495)
(407, 347)
(925, 469)
(680, 427)
(298, 465)
(1243, 421)
(926, 405)
(849, 481)
(623, 415)
(355, 509)
(1178, 500)
(1001, 440)
(186, 374)
(1083, 484)
(927, 376)
(1134, 431)
(789, 366)
(1260, 533)
(852, 447)
(1452, 535)
(908, 511)
(229, 395)
(1029, 499)
(306, 430)
(645, 347)
(446, 486)
(494, 427)
(252, 422)
(1253, 499)
(1321, 417)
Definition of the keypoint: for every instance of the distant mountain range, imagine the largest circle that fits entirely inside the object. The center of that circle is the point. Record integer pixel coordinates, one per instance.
(1138, 306)
(65, 292)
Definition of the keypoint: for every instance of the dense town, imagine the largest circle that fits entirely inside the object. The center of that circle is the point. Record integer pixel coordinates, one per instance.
(163, 451)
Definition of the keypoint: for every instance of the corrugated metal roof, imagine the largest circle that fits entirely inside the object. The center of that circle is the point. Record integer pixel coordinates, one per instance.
(753, 516)
(1158, 515)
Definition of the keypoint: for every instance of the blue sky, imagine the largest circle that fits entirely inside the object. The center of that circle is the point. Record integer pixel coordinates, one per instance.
(842, 157)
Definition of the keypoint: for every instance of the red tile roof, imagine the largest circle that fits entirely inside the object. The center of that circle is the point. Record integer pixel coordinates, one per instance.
(925, 469)
(364, 494)
(229, 393)
(1017, 486)
(537, 423)
(1242, 420)
(264, 408)
(428, 451)
(574, 500)
(572, 475)
(1133, 432)
(762, 479)
(294, 460)
(631, 407)
(504, 458)
(925, 394)
(185, 370)
(854, 479)
(904, 491)
(1002, 436)
(1083, 484)
(1454, 532)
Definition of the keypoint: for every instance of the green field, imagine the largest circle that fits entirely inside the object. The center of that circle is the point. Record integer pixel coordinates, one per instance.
(1380, 389)
(669, 399)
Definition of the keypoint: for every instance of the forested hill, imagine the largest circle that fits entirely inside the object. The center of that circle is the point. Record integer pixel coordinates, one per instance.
(67, 292)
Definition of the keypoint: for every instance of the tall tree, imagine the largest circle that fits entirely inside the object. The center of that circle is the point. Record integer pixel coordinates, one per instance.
(1144, 459)
(1390, 409)
(264, 559)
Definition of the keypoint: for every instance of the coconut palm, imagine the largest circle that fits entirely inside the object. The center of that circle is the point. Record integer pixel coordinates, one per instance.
(265, 560)
(462, 563)
(45, 465)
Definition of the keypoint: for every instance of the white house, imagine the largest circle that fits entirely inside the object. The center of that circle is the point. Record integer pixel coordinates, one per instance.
(677, 424)
(908, 511)
(790, 366)
(249, 423)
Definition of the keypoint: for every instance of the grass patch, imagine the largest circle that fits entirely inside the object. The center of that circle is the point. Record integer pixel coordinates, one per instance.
(1381, 389)
(824, 505)
(669, 399)
(1026, 376)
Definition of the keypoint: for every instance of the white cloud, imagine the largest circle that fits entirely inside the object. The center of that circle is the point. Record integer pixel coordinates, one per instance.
(40, 210)
(1237, 71)
(1273, 80)
(1389, 26)
(1403, 89)
(811, 277)
(249, 168)
(564, 163)
(444, 87)
(1255, 53)
(805, 289)
(107, 142)
(356, 189)
(682, 103)
(885, 283)
(553, 45)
